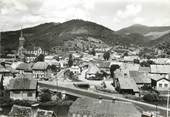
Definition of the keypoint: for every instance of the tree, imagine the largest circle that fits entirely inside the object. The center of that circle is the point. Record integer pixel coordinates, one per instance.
(3, 64)
(150, 62)
(1, 86)
(106, 55)
(70, 61)
(147, 63)
(136, 61)
(112, 69)
(53, 68)
(151, 97)
(93, 52)
(40, 58)
(45, 96)
(144, 64)
(125, 54)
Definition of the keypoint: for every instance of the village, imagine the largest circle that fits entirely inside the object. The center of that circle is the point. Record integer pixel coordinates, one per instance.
(34, 81)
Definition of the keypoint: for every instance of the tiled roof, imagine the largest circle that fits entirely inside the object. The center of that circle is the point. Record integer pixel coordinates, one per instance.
(23, 111)
(15, 64)
(144, 69)
(20, 111)
(130, 67)
(125, 81)
(45, 113)
(160, 69)
(24, 66)
(92, 69)
(140, 77)
(22, 84)
(88, 106)
(103, 64)
(40, 66)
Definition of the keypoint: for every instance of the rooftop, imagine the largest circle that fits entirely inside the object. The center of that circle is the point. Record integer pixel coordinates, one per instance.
(22, 84)
(104, 108)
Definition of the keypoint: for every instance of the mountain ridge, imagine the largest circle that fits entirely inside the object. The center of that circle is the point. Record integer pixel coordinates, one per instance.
(51, 34)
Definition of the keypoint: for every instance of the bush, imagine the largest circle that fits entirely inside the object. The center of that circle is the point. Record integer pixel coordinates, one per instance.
(45, 96)
(4, 101)
(151, 97)
(22, 102)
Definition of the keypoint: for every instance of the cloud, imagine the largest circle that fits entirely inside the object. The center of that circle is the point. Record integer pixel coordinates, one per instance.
(114, 14)
(130, 10)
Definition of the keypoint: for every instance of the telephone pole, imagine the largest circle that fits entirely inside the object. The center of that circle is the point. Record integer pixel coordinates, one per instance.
(0, 44)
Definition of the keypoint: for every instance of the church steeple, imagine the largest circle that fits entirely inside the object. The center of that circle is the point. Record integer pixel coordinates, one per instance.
(21, 33)
(21, 39)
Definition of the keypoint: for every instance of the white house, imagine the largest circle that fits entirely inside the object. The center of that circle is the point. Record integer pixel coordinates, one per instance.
(92, 71)
(40, 70)
(75, 69)
(162, 84)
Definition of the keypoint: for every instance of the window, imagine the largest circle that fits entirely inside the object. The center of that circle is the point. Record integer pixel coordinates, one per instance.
(160, 85)
(17, 92)
(73, 115)
(29, 94)
(166, 85)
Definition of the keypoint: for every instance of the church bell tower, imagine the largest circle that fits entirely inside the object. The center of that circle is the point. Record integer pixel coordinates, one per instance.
(21, 40)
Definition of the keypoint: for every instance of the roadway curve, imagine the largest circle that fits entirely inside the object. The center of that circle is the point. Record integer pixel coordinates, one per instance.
(68, 89)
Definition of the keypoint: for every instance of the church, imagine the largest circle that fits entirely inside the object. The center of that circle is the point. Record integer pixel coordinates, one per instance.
(29, 55)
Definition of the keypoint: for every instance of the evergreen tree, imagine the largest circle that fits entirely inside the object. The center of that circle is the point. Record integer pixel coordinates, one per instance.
(106, 55)
(39, 58)
(93, 52)
(70, 61)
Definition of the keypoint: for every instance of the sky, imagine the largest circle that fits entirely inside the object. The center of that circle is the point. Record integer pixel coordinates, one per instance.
(114, 14)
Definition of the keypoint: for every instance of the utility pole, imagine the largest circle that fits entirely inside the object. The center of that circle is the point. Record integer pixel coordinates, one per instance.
(167, 112)
(0, 43)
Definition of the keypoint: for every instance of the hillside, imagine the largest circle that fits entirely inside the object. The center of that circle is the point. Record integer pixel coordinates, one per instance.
(163, 39)
(142, 29)
(152, 35)
(49, 35)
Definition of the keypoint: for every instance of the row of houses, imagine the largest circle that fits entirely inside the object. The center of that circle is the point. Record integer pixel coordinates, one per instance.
(133, 77)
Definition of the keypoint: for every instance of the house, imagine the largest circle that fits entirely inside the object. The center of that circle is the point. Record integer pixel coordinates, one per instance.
(23, 111)
(41, 70)
(141, 78)
(59, 48)
(23, 88)
(129, 67)
(161, 61)
(145, 69)
(36, 51)
(88, 107)
(130, 59)
(162, 84)
(20, 111)
(45, 113)
(30, 58)
(104, 66)
(6, 73)
(4, 70)
(125, 84)
(160, 71)
(24, 67)
(75, 69)
(92, 71)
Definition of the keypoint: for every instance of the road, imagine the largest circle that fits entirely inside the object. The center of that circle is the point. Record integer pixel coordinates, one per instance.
(70, 89)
